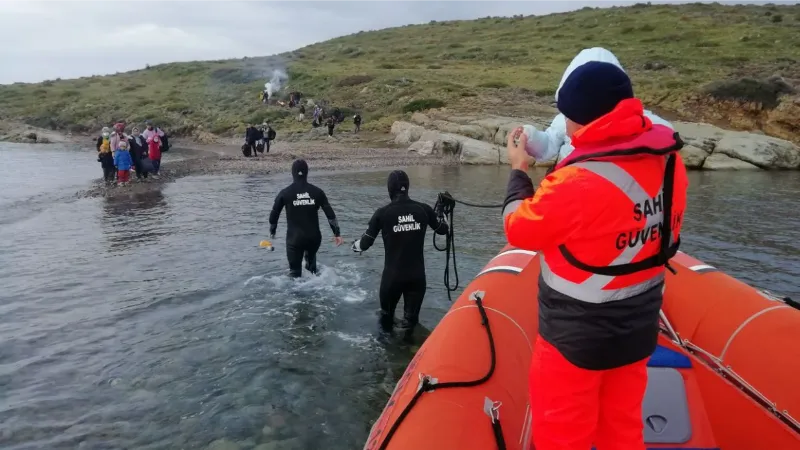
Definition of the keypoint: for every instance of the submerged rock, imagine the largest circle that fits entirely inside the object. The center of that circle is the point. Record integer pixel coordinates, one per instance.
(285, 444)
(223, 444)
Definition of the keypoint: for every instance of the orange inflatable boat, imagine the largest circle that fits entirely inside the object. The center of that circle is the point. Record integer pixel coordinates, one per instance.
(725, 376)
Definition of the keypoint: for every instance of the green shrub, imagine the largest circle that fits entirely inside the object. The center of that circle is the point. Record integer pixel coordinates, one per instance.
(423, 104)
(765, 92)
(222, 127)
(546, 92)
(232, 75)
(494, 85)
(355, 80)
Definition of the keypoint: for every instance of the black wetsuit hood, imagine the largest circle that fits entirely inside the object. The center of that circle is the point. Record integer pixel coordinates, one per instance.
(398, 184)
(299, 170)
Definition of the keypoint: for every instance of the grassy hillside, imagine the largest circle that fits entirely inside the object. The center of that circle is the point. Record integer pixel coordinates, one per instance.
(500, 65)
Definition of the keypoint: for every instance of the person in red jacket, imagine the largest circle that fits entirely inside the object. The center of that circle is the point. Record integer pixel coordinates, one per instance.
(605, 222)
(154, 152)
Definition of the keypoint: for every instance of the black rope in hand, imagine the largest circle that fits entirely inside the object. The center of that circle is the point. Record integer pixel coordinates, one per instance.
(445, 204)
(444, 207)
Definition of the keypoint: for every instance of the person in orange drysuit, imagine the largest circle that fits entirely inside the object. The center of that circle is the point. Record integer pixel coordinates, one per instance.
(605, 223)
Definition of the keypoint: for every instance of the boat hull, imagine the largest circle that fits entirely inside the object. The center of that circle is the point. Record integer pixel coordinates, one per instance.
(689, 403)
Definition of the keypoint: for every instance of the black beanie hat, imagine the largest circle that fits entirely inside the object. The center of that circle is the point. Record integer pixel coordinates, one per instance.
(397, 183)
(299, 169)
(593, 90)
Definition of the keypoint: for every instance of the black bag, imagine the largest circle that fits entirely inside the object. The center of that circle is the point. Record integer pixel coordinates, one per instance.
(147, 165)
(260, 147)
(246, 150)
(271, 134)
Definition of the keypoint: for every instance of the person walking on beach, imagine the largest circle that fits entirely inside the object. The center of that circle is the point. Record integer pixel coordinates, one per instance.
(317, 116)
(605, 223)
(402, 225)
(138, 149)
(269, 135)
(117, 136)
(151, 130)
(123, 161)
(302, 201)
(357, 123)
(302, 116)
(154, 152)
(105, 134)
(331, 123)
(251, 138)
(105, 156)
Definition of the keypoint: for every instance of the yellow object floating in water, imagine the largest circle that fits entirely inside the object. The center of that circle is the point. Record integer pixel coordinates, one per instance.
(266, 244)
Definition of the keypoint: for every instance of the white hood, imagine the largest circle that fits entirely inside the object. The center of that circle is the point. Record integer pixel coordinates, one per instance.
(586, 55)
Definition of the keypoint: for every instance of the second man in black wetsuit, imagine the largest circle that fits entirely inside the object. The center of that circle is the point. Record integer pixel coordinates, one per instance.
(302, 201)
(402, 225)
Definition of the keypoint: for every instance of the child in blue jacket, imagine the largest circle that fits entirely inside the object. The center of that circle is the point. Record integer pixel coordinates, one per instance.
(123, 161)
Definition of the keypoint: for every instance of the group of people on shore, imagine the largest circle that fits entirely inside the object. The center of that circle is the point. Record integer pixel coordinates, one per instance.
(258, 139)
(330, 120)
(604, 223)
(118, 153)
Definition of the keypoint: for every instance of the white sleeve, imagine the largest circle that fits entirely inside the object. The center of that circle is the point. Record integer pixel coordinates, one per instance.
(657, 120)
(545, 145)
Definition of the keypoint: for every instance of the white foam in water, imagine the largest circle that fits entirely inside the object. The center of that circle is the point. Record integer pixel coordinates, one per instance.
(339, 283)
(358, 340)
(253, 279)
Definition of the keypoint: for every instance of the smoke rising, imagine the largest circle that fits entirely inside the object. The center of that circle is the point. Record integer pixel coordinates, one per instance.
(279, 77)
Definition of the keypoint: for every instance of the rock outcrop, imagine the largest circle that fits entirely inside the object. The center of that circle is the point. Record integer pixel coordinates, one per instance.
(481, 140)
(27, 134)
(781, 121)
(724, 149)
(721, 161)
(406, 133)
(474, 151)
(763, 151)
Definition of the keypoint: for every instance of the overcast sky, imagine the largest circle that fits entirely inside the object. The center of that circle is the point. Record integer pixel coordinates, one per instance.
(48, 40)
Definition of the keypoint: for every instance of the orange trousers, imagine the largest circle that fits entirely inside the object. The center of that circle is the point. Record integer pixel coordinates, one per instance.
(574, 408)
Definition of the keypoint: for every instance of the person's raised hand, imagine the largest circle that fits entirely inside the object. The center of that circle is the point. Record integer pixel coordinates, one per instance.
(515, 146)
(338, 240)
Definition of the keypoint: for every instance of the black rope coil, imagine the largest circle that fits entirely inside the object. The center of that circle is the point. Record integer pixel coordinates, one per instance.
(444, 207)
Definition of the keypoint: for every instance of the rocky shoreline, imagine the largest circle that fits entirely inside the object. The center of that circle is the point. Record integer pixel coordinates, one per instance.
(481, 140)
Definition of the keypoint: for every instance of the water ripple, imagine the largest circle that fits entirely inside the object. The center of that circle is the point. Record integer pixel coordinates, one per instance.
(156, 322)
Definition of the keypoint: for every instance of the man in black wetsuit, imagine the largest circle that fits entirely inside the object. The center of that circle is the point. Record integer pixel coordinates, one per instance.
(303, 238)
(402, 224)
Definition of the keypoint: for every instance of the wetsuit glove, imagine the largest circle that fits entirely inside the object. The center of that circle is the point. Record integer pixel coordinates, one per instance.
(356, 247)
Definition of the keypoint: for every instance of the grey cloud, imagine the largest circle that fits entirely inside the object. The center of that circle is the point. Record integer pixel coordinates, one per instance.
(47, 40)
